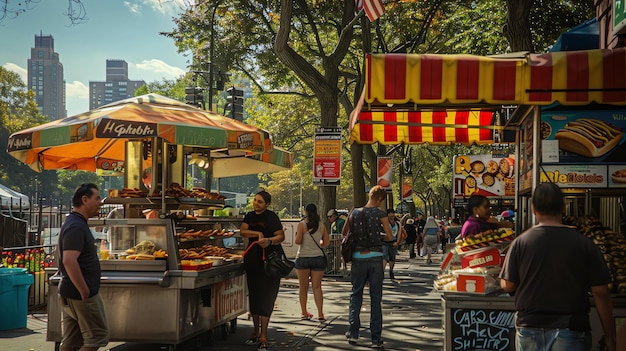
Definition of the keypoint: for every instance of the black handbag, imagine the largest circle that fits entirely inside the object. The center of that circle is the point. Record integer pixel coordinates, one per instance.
(276, 264)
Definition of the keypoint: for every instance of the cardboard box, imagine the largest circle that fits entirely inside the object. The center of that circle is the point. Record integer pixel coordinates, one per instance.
(475, 283)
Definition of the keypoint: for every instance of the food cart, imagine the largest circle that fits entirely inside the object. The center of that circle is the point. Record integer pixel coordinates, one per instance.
(442, 99)
(170, 279)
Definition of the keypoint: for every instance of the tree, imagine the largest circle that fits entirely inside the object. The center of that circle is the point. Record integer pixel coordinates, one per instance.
(69, 180)
(18, 111)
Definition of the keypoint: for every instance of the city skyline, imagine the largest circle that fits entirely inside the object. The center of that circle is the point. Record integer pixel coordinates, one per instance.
(126, 31)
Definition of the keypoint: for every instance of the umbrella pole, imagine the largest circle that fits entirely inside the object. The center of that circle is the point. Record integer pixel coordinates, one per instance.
(164, 165)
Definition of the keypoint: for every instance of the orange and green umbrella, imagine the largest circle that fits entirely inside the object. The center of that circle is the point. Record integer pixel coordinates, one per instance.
(79, 141)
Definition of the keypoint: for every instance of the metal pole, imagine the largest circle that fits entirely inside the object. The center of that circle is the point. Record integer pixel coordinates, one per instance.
(211, 57)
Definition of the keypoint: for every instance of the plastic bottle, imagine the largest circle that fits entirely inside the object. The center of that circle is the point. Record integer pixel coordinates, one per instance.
(104, 250)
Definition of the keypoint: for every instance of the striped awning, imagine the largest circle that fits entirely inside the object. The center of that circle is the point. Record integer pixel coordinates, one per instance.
(417, 127)
(403, 91)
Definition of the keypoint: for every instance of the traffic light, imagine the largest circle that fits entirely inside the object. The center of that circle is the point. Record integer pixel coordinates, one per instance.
(194, 96)
(234, 104)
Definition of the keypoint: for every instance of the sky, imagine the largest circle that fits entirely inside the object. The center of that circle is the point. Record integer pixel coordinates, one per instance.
(114, 29)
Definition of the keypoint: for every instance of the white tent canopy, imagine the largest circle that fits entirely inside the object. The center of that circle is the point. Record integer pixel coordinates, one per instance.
(11, 199)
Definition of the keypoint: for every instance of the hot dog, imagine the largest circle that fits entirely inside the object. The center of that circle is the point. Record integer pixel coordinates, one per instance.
(589, 137)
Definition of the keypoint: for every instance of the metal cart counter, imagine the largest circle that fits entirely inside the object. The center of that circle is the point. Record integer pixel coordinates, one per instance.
(155, 301)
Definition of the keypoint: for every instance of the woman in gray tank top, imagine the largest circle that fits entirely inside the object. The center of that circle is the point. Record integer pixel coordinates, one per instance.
(312, 237)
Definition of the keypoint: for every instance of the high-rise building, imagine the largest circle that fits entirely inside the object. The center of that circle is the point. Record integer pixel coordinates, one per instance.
(116, 87)
(45, 78)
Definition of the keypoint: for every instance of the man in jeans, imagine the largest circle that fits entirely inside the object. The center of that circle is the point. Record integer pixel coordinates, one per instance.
(552, 285)
(367, 225)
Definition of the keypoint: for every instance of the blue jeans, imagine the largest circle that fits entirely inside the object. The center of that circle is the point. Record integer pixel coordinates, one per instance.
(536, 339)
(366, 270)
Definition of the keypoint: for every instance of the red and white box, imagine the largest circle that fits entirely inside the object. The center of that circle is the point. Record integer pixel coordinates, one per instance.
(485, 257)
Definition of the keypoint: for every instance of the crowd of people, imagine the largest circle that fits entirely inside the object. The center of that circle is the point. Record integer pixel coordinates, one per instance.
(552, 304)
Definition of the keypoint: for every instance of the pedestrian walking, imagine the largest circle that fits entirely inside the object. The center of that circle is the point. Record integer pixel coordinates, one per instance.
(336, 220)
(312, 237)
(263, 229)
(420, 222)
(453, 230)
(411, 236)
(390, 247)
(84, 325)
(551, 286)
(431, 236)
(367, 224)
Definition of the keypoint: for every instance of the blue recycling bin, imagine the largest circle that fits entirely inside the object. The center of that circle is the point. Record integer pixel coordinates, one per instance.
(14, 284)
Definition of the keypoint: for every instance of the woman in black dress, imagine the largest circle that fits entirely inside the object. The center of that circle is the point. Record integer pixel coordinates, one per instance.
(264, 226)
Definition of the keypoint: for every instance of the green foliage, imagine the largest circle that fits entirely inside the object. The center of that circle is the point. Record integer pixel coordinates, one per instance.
(18, 111)
(69, 180)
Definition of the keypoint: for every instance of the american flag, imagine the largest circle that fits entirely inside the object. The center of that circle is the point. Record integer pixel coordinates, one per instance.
(373, 8)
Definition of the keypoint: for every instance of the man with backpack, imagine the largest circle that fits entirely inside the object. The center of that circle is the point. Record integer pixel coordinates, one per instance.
(368, 224)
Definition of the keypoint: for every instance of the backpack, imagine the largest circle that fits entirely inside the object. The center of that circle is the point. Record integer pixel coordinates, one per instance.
(363, 232)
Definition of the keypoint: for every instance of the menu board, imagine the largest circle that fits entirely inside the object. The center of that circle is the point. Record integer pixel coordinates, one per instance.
(586, 136)
(482, 329)
(484, 175)
(327, 156)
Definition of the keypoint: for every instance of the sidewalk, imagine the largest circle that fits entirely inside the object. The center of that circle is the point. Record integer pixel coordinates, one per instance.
(412, 319)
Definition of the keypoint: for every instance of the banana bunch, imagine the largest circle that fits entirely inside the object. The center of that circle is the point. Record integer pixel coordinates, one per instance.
(484, 239)
(612, 246)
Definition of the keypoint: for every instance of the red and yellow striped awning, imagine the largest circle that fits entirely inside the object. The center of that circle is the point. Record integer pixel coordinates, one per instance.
(417, 127)
(399, 87)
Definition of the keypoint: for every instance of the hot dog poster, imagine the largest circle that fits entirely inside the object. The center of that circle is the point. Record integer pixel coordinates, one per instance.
(384, 172)
(327, 156)
(586, 136)
(484, 175)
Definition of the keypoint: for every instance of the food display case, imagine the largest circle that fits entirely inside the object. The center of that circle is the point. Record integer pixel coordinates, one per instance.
(186, 300)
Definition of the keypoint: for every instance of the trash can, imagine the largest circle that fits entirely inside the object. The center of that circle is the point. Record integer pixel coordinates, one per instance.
(14, 284)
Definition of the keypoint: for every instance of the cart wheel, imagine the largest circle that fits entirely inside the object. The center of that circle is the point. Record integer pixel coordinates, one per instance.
(233, 326)
(225, 330)
(210, 337)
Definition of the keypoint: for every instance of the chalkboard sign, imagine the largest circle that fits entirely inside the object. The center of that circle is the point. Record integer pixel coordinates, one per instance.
(482, 329)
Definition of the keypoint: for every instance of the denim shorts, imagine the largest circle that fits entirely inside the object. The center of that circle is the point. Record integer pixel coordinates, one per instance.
(313, 263)
(389, 252)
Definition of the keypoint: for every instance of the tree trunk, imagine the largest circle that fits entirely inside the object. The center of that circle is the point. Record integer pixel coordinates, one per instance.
(517, 28)
(358, 181)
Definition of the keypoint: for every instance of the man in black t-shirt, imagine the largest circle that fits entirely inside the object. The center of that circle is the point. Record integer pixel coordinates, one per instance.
(84, 324)
(551, 286)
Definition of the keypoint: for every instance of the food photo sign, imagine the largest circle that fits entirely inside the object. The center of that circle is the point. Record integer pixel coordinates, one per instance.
(484, 175)
(591, 148)
(586, 136)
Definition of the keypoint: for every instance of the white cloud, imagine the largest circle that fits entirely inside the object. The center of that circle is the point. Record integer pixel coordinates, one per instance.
(76, 89)
(17, 69)
(166, 7)
(158, 66)
(134, 8)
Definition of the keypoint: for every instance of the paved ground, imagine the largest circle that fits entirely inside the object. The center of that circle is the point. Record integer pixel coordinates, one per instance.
(412, 319)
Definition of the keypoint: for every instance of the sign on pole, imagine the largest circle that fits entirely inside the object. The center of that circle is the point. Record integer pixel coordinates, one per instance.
(327, 156)
(385, 172)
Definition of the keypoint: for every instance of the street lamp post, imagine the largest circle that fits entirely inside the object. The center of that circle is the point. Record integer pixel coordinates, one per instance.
(211, 48)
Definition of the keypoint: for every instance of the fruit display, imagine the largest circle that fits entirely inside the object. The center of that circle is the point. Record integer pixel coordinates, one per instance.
(611, 244)
(484, 239)
(34, 260)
